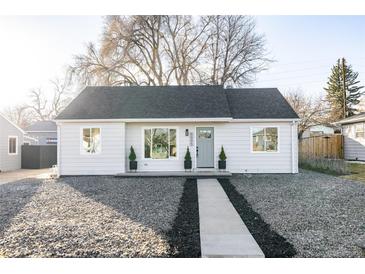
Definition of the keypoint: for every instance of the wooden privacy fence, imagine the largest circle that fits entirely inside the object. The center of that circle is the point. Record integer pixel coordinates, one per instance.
(325, 146)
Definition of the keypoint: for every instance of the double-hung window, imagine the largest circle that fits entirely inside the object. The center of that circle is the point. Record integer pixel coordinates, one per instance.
(12, 145)
(160, 143)
(265, 139)
(91, 141)
(359, 131)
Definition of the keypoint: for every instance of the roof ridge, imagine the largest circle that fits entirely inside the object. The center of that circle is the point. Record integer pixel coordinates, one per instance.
(228, 103)
(160, 86)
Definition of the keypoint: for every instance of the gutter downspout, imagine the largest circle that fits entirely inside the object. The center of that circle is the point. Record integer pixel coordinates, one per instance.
(58, 150)
(293, 141)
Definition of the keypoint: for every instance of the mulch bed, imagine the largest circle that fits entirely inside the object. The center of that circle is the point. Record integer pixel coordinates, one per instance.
(184, 237)
(272, 244)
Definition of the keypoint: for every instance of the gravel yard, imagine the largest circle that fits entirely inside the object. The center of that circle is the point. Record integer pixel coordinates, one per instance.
(319, 215)
(96, 217)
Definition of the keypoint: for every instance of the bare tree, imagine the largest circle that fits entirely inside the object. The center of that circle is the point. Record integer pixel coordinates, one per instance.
(310, 111)
(19, 115)
(47, 107)
(236, 52)
(39, 104)
(162, 50)
(61, 95)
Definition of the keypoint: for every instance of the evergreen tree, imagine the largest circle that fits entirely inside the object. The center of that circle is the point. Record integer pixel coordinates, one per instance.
(342, 89)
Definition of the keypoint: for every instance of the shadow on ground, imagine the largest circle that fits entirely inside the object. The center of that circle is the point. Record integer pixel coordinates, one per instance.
(13, 197)
(169, 206)
(184, 236)
(272, 244)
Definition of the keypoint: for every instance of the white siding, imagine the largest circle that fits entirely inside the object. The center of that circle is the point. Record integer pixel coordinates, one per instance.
(9, 162)
(354, 147)
(109, 161)
(236, 139)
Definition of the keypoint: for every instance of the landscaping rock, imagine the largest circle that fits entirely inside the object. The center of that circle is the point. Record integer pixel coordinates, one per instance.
(92, 216)
(319, 214)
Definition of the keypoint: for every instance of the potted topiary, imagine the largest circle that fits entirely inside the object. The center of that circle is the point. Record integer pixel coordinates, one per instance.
(222, 159)
(132, 160)
(187, 162)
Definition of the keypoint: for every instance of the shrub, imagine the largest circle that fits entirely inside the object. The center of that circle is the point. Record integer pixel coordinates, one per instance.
(222, 155)
(187, 155)
(132, 155)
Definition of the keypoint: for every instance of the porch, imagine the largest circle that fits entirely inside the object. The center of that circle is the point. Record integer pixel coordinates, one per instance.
(186, 174)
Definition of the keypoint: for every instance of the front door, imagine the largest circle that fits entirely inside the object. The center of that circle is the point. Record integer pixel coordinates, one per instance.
(205, 147)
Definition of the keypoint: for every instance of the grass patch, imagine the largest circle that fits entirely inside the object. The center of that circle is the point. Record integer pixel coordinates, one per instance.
(357, 172)
(318, 169)
(323, 165)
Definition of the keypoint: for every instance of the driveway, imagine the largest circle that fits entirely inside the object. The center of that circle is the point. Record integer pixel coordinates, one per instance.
(12, 176)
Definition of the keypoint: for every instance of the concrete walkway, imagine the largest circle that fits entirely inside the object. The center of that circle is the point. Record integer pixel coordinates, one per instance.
(20, 174)
(222, 232)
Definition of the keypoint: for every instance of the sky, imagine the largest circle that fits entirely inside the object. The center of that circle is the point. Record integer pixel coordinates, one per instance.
(36, 49)
(306, 47)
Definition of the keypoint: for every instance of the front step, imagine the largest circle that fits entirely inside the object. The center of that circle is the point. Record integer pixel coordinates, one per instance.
(187, 174)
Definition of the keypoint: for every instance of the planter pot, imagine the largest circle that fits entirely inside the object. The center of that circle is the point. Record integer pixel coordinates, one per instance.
(133, 165)
(222, 164)
(187, 165)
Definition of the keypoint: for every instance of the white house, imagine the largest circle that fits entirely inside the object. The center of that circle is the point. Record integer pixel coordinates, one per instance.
(42, 133)
(353, 130)
(320, 129)
(11, 139)
(256, 127)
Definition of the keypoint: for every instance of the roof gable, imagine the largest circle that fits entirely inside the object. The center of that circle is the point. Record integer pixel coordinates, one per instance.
(11, 123)
(43, 126)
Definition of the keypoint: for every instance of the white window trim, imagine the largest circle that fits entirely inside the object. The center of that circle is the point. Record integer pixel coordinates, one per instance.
(16, 144)
(177, 144)
(264, 152)
(361, 125)
(82, 150)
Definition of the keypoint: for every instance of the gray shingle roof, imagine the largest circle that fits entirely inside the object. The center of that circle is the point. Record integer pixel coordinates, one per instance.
(177, 102)
(352, 119)
(42, 126)
(256, 103)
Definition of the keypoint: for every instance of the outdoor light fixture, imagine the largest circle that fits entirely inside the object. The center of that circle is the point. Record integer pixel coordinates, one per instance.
(186, 132)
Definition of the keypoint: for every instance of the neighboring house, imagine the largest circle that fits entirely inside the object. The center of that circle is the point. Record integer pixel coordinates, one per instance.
(354, 136)
(11, 139)
(256, 127)
(27, 140)
(321, 129)
(42, 133)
